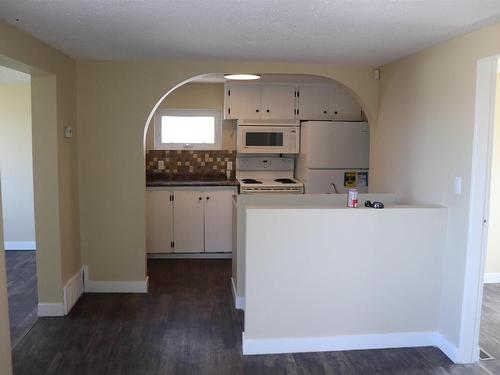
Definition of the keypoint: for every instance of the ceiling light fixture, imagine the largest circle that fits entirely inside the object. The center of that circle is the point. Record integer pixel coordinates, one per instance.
(242, 77)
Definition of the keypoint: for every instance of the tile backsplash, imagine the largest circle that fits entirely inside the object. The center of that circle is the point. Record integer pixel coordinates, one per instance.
(181, 162)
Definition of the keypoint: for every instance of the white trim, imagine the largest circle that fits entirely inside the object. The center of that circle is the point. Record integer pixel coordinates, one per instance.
(50, 309)
(113, 286)
(468, 348)
(340, 343)
(20, 245)
(491, 278)
(190, 255)
(239, 301)
(73, 290)
(447, 348)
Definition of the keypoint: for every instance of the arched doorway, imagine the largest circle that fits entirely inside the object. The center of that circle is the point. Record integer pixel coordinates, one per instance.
(187, 96)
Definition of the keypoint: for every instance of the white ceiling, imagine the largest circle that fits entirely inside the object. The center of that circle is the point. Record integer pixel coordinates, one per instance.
(8, 76)
(324, 31)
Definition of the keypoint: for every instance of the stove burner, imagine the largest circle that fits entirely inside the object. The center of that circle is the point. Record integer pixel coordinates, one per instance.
(285, 180)
(251, 181)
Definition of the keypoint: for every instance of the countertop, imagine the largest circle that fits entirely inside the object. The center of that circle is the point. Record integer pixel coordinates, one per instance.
(189, 180)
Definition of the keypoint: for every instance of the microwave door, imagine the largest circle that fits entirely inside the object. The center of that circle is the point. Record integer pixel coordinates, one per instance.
(261, 140)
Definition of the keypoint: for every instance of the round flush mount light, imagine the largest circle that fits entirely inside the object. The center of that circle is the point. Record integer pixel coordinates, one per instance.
(241, 77)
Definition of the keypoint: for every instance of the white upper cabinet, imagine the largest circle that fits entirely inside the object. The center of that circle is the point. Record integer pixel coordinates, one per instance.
(344, 107)
(314, 102)
(242, 101)
(290, 101)
(278, 102)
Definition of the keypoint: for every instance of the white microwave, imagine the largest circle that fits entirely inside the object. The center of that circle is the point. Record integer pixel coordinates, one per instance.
(268, 138)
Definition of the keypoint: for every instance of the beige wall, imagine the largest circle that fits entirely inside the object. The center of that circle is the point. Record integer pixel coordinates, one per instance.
(54, 166)
(493, 248)
(423, 139)
(115, 100)
(55, 172)
(16, 163)
(198, 96)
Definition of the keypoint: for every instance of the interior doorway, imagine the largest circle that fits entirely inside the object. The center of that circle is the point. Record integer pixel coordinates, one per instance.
(489, 337)
(16, 177)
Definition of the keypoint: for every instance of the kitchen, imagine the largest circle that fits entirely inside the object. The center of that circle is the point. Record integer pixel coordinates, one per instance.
(190, 188)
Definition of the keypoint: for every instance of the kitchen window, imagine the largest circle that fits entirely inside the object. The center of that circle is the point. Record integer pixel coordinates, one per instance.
(188, 129)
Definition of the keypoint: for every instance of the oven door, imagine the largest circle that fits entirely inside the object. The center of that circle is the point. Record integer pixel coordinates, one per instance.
(267, 140)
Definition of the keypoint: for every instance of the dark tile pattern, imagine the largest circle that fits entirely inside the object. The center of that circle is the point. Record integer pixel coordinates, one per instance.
(22, 291)
(183, 162)
(187, 324)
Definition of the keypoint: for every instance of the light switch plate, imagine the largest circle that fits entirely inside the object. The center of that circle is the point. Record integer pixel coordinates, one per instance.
(68, 132)
(161, 164)
(229, 166)
(458, 185)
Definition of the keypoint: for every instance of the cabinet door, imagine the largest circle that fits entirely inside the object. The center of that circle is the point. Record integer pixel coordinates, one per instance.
(159, 221)
(219, 221)
(188, 222)
(314, 103)
(344, 107)
(243, 102)
(278, 102)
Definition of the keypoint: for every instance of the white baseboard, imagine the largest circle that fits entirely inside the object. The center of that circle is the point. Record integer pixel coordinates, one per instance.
(114, 286)
(354, 342)
(239, 301)
(491, 278)
(447, 348)
(190, 256)
(20, 245)
(50, 309)
(73, 290)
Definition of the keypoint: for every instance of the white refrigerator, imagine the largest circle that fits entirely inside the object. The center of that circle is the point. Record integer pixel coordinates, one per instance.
(333, 153)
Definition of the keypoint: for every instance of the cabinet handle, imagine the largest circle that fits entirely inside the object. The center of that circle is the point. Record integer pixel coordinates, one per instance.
(199, 198)
(325, 112)
(268, 111)
(336, 112)
(257, 110)
(208, 198)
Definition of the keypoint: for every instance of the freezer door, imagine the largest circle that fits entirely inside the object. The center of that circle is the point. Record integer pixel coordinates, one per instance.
(340, 145)
(320, 181)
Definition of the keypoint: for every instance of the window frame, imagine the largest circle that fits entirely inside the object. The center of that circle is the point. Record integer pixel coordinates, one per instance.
(159, 145)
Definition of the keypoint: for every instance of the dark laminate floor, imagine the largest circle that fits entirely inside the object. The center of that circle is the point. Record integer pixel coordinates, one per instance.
(22, 290)
(187, 325)
(489, 338)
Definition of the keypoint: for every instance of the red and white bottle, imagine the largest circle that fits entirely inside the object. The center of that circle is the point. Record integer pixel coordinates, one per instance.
(352, 198)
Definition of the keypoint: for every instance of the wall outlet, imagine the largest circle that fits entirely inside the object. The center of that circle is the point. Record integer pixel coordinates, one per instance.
(229, 166)
(458, 185)
(161, 164)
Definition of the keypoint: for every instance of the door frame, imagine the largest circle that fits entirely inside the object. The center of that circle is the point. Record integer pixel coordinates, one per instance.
(477, 236)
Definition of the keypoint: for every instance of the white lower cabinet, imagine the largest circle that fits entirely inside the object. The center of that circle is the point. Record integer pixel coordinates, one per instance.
(189, 221)
(159, 210)
(219, 221)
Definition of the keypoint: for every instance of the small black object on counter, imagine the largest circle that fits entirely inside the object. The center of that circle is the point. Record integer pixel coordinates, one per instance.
(374, 204)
